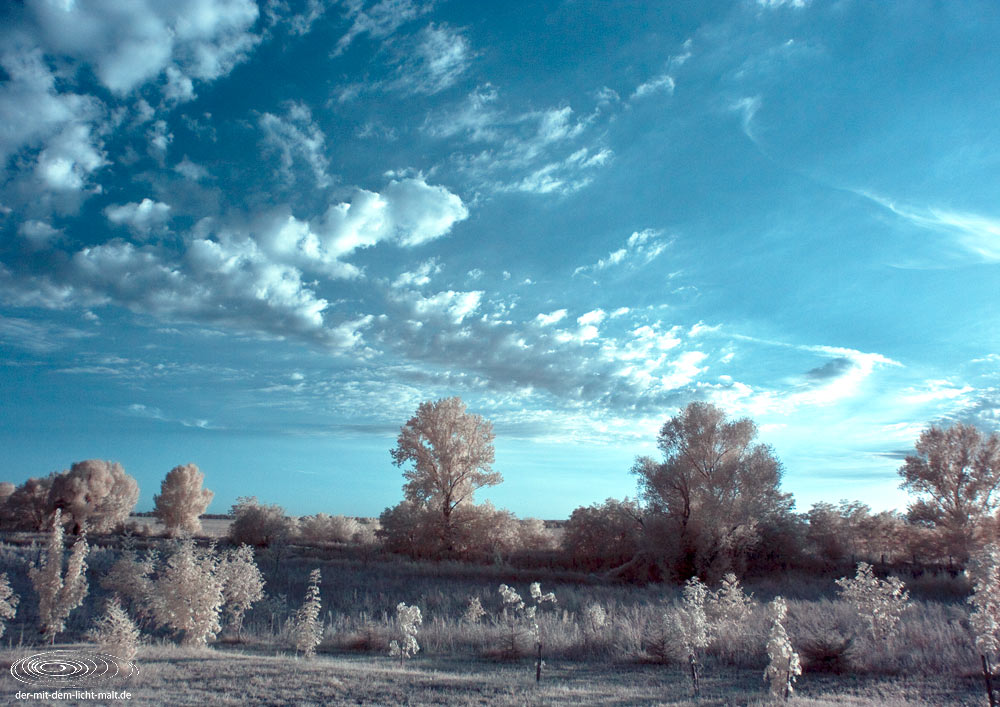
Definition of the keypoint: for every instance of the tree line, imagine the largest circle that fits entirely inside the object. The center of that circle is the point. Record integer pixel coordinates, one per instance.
(711, 504)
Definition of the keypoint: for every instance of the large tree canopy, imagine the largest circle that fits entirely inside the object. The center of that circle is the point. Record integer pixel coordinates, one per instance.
(955, 474)
(451, 451)
(712, 490)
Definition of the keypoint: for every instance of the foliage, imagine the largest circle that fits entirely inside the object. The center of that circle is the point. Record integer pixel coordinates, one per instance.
(58, 593)
(690, 622)
(729, 602)
(473, 611)
(408, 620)
(984, 570)
(955, 475)
(116, 633)
(879, 602)
(603, 535)
(94, 494)
(188, 593)
(259, 525)
(452, 452)
(307, 631)
(323, 528)
(519, 619)
(182, 500)
(783, 662)
(27, 506)
(130, 578)
(242, 584)
(8, 602)
(712, 490)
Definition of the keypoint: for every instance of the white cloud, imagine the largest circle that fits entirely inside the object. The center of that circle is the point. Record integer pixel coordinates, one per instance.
(551, 318)
(141, 217)
(190, 170)
(976, 234)
(641, 248)
(595, 316)
(441, 56)
(451, 305)
(379, 20)
(69, 159)
(38, 234)
(772, 4)
(296, 137)
(664, 83)
(419, 277)
(129, 44)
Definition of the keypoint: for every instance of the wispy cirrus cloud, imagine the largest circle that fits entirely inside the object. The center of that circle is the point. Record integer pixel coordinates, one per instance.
(641, 248)
(975, 234)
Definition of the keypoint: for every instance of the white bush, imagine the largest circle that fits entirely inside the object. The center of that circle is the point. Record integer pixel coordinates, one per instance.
(242, 584)
(115, 632)
(8, 602)
(473, 611)
(984, 571)
(130, 578)
(59, 594)
(729, 602)
(408, 620)
(879, 602)
(307, 632)
(783, 662)
(188, 594)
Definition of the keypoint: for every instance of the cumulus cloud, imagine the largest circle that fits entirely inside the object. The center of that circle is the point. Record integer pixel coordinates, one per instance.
(38, 234)
(142, 217)
(420, 276)
(188, 169)
(641, 248)
(551, 318)
(69, 159)
(129, 44)
(664, 83)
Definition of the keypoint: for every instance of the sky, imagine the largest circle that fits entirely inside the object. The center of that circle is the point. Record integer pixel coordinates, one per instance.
(257, 235)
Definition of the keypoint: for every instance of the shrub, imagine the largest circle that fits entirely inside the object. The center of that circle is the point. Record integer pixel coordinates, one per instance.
(473, 611)
(242, 584)
(115, 632)
(257, 524)
(880, 602)
(58, 593)
(322, 528)
(783, 662)
(984, 570)
(729, 603)
(182, 500)
(8, 602)
(188, 593)
(307, 632)
(130, 578)
(408, 620)
(691, 626)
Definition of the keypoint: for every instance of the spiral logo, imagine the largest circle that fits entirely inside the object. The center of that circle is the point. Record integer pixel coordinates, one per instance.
(71, 668)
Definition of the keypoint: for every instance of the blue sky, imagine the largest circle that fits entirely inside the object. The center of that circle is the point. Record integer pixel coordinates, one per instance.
(255, 236)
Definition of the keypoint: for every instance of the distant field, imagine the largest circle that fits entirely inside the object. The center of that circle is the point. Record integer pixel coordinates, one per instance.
(210, 527)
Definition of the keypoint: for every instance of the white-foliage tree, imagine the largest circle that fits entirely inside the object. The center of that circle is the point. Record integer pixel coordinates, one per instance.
(188, 593)
(182, 500)
(408, 620)
(242, 584)
(691, 626)
(984, 571)
(8, 602)
(307, 631)
(783, 662)
(130, 578)
(59, 593)
(729, 602)
(520, 619)
(323, 528)
(473, 611)
(116, 633)
(95, 495)
(452, 455)
(879, 602)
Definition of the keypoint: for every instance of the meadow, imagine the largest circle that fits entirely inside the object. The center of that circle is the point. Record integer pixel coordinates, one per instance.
(630, 658)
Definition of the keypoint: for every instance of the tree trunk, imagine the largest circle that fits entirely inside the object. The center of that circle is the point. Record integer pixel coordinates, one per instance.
(988, 676)
(538, 664)
(694, 674)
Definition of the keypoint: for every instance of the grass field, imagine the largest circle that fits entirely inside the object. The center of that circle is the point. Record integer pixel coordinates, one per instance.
(225, 676)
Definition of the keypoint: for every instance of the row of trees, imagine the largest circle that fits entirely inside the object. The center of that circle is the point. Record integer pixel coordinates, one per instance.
(712, 504)
(98, 496)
